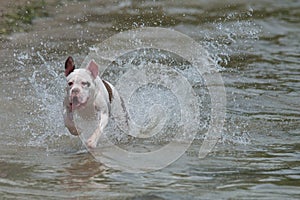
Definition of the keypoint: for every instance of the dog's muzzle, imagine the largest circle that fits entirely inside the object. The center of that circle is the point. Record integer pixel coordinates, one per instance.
(75, 100)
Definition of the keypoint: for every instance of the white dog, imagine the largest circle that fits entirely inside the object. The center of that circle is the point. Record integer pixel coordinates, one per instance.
(87, 94)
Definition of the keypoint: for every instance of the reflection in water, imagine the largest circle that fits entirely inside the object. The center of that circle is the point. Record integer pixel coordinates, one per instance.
(85, 172)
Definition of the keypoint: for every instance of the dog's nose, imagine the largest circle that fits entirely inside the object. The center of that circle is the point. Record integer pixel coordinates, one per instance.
(75, 91)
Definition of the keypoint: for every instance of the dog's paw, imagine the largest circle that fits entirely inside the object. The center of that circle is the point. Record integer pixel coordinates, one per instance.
(91, 143)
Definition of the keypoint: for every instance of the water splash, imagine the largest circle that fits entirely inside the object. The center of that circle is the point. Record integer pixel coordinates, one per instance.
(232, 34)
(149, 96)
(45, 84)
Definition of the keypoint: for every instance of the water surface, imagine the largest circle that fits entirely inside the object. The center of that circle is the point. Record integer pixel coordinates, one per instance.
(256, 45)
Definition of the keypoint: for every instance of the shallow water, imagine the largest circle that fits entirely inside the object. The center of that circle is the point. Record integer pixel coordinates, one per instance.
(256, 45)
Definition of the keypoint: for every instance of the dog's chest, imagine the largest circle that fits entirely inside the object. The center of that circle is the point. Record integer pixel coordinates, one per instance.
(88, 113)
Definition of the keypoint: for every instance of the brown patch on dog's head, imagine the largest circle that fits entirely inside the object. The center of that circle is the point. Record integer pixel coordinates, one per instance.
(69, 66)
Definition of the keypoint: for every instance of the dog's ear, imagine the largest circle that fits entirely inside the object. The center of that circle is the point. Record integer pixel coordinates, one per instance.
(69, 66)
(93, 68)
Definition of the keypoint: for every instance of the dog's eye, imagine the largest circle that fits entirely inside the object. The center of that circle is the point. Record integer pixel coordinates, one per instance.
(86, 84)
(70, 84)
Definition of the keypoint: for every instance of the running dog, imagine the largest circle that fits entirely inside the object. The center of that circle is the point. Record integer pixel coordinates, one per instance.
(87, 93)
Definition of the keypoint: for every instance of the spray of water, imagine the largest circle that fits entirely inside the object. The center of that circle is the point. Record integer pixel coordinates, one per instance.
(160, 112)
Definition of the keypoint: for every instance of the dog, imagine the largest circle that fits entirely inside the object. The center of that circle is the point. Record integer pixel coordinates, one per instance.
(86, 94)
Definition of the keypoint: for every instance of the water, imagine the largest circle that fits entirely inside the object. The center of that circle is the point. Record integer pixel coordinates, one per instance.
(256, 45)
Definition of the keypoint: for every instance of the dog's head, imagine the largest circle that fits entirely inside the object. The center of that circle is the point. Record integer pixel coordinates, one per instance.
(81, 83)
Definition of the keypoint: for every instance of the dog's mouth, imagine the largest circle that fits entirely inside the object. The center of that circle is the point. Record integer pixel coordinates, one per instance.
(76, 104)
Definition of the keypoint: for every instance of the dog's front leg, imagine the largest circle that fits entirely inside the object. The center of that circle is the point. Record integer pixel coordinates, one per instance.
(69, 123)
(93, 140)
